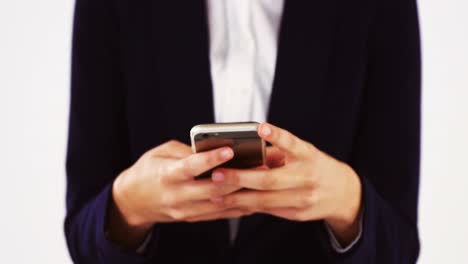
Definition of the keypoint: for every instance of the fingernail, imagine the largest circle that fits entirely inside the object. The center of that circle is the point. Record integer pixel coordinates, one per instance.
(217, 199)
(226, 153)
(266, 130)
(217, 176)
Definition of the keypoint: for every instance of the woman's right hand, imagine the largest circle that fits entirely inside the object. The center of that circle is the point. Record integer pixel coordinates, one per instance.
(160, 187)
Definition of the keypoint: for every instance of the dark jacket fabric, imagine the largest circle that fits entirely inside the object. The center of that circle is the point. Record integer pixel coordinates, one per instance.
(347, 80)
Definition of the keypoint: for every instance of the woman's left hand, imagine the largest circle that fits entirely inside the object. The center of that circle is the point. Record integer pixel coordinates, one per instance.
(302, 183)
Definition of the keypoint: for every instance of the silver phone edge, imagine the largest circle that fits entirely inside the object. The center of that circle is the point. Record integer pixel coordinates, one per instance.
(225, 127)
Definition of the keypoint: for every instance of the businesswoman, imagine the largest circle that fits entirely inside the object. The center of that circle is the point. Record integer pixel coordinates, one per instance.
(336, 85)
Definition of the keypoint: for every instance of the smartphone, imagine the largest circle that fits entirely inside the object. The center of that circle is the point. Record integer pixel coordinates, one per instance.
(242, 137)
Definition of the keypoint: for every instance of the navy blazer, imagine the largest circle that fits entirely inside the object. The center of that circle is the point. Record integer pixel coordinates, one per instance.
(347, 80)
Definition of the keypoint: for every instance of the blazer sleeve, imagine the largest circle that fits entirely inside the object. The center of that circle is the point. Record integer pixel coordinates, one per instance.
(387, 145)
(98, 142)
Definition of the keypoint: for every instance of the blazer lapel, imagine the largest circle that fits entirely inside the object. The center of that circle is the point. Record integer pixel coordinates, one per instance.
(181, 38)
(302, 64)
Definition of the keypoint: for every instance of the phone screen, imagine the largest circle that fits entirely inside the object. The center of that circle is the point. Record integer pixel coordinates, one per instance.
(247, 145)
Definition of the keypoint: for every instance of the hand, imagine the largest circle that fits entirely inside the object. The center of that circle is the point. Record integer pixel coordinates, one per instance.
(160, 187)
(303, 184)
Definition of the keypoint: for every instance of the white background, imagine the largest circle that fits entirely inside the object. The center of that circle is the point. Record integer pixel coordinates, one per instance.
(34, 88)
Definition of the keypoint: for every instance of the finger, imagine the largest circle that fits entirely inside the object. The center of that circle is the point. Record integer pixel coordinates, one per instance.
(172, 149)
(267, 200)
(275, 157)
(284, 140)
(229, 213)
(269, 179)
(203, 190)
(198, 163)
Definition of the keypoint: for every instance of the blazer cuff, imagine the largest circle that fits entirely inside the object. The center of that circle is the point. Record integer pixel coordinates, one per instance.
(364, 248)
(336, 244)
(110, 252)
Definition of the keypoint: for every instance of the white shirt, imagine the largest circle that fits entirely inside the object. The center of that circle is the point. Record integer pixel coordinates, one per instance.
(243, 47)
